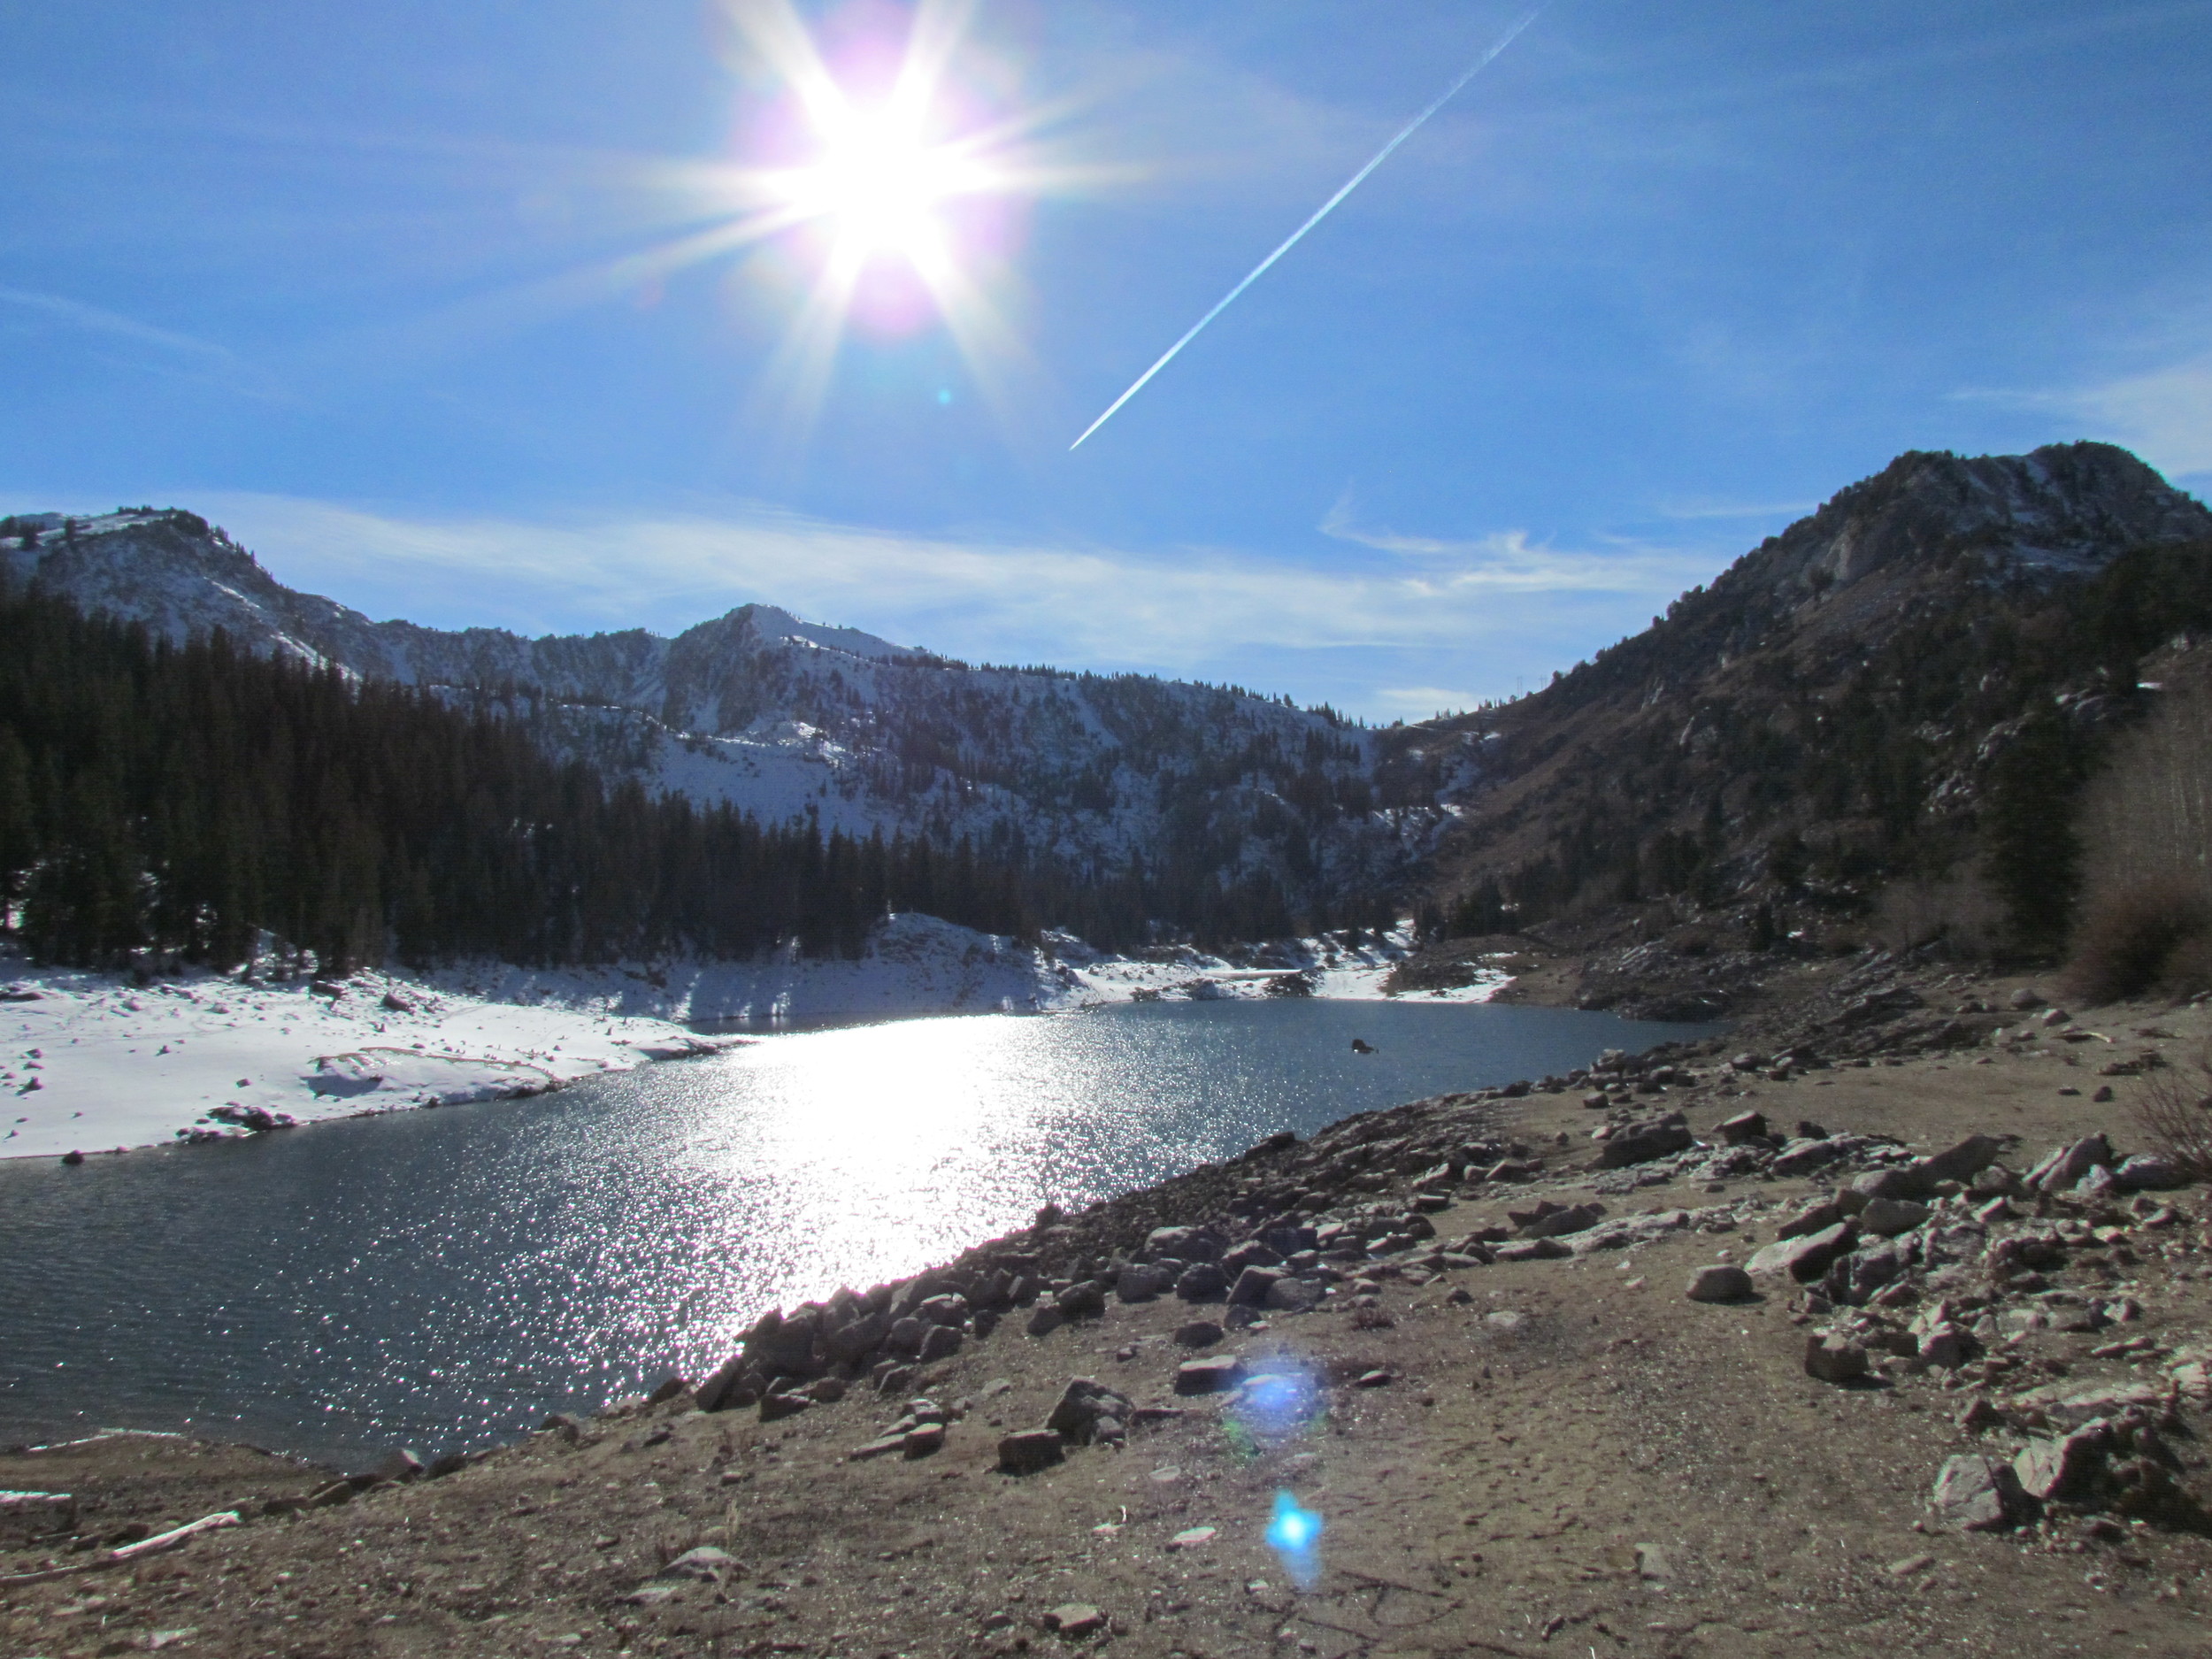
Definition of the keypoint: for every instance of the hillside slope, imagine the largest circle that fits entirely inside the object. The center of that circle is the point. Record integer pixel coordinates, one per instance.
(785, 718)
(1840, 709)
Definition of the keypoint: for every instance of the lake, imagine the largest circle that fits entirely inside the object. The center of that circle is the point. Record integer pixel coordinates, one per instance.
(444, 1278)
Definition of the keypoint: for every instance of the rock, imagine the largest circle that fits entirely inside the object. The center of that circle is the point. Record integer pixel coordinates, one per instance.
(706, 1564)
(2068, 1164)
(775, 1407)
(1805, 1259)
(2064, 1469)
(400, 1465)
(1834, 1359)
(1075, 1621)
(923, 1439)
(1885, 1218)
(2025, 999)
(1026, 1451)
(1889, 1183)
(1293, 1295)
(1803, 1156)
(1085, 1299)
(24, 1516)
(1979, 1494)
(1203, 1281)
(1743, 1126)
(1947, 1347)
(1198, 1333)
(1046, 1320)
(1251, 1253)
(1722, 1283)
(1194, 1537)
(1138, 1284)
(1646, 1139)
(2144, 1172)
(1374, 1379)
(1961, 1162)
(1211, 1375)
(1506, 1321)
(1082, 1403)
(939, 1341)
(950, 1309)
(1811, 1220)
(906, 1336)
(1652, 1563)
(1252, 1286)
(881, 1446)
(1548, 1220)
(1533, 1250)
(855, 1339)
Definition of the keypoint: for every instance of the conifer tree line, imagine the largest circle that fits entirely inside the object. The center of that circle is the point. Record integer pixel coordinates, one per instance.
(182, 800)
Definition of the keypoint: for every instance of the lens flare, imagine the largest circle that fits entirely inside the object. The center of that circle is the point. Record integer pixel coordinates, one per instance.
(1295, 1534)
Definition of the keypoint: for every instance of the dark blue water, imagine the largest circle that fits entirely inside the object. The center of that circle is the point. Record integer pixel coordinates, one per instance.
(444, 1278)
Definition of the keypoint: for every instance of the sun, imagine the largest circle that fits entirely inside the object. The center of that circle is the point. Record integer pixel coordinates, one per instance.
(879, 184)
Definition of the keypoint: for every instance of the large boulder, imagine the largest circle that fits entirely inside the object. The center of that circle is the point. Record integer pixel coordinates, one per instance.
(1203, 1281)
(1646, 1139)
(2063, 1168)
(1975, 1493)
(1252, 1284)
(1806, 1257)
(1082, 1404)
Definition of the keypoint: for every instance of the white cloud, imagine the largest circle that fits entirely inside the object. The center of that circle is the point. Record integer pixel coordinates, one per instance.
(2165, 415)
(1003, 601)
(1506, 560)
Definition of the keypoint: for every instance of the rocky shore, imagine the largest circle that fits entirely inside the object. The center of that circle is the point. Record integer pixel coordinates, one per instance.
(1889, 1331)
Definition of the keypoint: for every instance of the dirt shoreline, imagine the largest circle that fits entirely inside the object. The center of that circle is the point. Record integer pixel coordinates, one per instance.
(1553, 1454)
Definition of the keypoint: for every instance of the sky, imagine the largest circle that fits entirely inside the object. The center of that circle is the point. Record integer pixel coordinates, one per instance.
(547, 314)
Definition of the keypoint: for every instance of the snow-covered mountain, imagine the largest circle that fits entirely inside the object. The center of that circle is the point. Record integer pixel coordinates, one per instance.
(788, 718)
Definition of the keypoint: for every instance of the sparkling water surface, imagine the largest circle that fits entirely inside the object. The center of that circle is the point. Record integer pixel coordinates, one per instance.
(444, 1278)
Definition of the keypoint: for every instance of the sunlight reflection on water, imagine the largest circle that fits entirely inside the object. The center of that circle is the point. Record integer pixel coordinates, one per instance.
(446, 1278)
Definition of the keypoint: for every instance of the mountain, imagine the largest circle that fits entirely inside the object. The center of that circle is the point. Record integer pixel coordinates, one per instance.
(789, 719)
(1885, 691)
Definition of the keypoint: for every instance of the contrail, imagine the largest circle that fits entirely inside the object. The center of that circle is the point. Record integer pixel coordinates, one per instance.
(1320, 213)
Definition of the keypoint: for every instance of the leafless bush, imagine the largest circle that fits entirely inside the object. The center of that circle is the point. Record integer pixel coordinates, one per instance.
(2173, 1113)
(1958, 913)
(2149, 935)
(2147, 814)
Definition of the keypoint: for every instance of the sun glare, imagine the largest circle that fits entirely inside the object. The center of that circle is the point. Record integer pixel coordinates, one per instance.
(879, 184)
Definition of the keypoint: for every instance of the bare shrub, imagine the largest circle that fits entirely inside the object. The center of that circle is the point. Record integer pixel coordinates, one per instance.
(2132, 939)
(2173, 1113)
(2147, 814)
(1958, 913)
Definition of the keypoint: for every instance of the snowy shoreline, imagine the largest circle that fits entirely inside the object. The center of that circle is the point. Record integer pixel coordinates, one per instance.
(101, 1062)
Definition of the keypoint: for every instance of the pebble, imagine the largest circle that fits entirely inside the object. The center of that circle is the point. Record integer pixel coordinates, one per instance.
(1075, 1620)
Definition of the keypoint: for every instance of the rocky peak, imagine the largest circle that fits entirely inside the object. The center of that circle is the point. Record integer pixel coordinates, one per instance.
(2062, 510)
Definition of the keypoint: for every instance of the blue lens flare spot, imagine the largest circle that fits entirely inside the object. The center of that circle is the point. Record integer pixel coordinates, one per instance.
(1295, 1536)
(944, 396)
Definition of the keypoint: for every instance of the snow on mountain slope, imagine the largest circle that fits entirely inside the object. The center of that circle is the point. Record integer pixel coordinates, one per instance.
(787, 718)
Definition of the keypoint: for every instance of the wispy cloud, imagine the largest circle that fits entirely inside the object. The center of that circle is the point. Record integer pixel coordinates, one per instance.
(174, 353)
(2164, 415)
(1697, 511)
(1507, 560)
(1176, 611)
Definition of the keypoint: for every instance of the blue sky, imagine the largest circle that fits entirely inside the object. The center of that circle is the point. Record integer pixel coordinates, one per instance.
(346, 278)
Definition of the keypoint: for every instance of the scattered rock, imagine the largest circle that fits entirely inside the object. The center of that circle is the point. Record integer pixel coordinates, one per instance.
(1885, 1218)
(1075, 1621)
(1835, 1359)
(1975, 1493)
(706, 1564)
(1646, 1139)
(1806, 1257)
(1026, 1451)
(1211, 1375)
(1203, 1281)
(1721, 1283)
(1083, 1404)
(1198, 1333)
